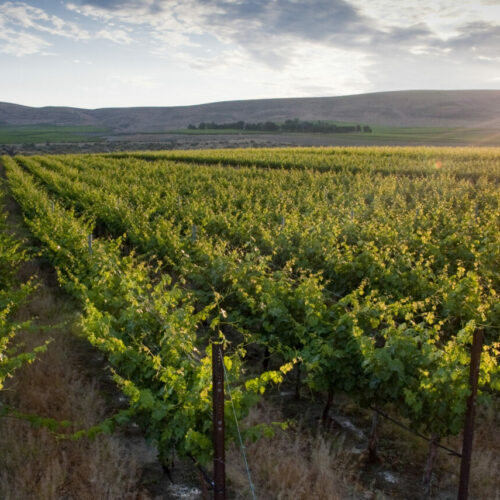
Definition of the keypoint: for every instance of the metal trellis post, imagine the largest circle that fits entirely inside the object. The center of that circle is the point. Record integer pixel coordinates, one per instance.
(218, 421)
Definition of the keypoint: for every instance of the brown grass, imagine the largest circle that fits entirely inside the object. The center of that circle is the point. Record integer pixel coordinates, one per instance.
(485, 467)
(301, 464)
(292, 465)
(33, 463)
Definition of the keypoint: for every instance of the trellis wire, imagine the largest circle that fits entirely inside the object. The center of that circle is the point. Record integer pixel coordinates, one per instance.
(242, 446)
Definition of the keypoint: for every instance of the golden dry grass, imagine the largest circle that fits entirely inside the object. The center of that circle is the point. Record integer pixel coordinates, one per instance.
(33, 463)
(292, 465)
(485, 466)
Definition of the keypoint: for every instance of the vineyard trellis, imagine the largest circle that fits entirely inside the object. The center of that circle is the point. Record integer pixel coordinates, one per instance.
(375, 285)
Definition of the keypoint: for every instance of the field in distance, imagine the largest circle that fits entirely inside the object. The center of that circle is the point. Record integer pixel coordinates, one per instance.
(380, 136)
(37, 134)
(89, 139)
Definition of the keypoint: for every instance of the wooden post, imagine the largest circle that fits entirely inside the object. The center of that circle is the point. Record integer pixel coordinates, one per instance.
(297, 382)
(203, 484)
(429, 465)
(326, 410)
(475, 361)
(374, 434)
(90, 243)
(218, 421)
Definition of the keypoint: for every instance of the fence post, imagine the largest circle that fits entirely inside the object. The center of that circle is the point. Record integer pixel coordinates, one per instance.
(218, 421)
(475, 361)
(90, 243)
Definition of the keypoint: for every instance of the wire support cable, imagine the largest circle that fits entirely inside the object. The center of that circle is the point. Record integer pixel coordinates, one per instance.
(242, 446)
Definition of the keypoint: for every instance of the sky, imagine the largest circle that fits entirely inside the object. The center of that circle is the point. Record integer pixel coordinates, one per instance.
(107, 53)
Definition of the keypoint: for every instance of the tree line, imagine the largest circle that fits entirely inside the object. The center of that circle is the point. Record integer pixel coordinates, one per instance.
(287, 126)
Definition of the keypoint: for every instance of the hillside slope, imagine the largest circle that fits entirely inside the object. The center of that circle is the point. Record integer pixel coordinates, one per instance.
(443, 108)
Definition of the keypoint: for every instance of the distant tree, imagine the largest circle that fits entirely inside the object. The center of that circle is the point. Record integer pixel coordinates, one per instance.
(294, 125)
(271, 126)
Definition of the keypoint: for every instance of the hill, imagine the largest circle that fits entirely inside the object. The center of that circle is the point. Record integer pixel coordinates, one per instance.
(418, 108)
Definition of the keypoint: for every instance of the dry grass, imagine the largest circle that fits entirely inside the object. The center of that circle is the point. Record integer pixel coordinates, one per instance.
(485, 467)
(35, 465)
(301, 465)
(405, 454)
(292, 465)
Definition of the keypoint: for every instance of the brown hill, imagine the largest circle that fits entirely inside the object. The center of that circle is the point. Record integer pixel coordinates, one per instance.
(444, 108)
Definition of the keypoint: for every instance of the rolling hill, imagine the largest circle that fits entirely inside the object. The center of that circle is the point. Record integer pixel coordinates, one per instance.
(419, 108)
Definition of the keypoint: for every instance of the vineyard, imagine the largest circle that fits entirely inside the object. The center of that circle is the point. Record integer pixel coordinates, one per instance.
(12, 294)
(361, 272)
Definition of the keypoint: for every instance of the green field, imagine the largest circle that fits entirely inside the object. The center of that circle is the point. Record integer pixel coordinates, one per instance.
(228, 131)
(381, 135)
(428, 135)
(365, 270)
(36, 134)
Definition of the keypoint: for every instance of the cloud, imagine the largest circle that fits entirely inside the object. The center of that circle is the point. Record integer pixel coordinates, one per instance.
(267, 29)
(234, 20)
(295, 37)
(21, 15)
(21, 43)
(116, 36)
(476, 39)
(467, 59)
(23, 28)
(313, 20)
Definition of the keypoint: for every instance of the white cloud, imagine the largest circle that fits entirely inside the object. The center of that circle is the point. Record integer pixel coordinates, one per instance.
(197, 50)
(22, 30)
(24, 16)
(177, 17)
(487, 58)
(21, 43)
(116, 36)
(319, 46)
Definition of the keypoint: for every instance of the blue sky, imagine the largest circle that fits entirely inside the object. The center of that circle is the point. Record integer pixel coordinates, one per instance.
(104, 53)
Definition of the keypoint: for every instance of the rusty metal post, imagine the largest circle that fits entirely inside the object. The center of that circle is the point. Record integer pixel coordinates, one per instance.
(475, 361)
(218, 421)
(373, 441)
(429, 465)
